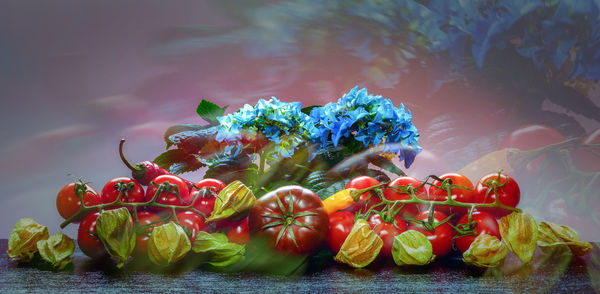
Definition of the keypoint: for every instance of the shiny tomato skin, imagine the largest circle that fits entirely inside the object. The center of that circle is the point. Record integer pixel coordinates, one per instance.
(387, 231)
(340, 225)
(68, 202)
(391, 194)
(508, 195)
(150, 219)
(440, 237)
(166, 197)
(89, 244)
(110, 191)
(192, 222)
(486, 224)
(239, 233)
(457, 194)
(207, 194)
(267, 219)
(368, 199)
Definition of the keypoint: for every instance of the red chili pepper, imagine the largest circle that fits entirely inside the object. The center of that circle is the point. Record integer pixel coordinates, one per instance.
(145, 171)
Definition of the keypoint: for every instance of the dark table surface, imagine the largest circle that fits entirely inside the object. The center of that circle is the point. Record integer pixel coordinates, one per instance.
(545, 274)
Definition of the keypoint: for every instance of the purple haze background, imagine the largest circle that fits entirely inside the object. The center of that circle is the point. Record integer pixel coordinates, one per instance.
(75, 77)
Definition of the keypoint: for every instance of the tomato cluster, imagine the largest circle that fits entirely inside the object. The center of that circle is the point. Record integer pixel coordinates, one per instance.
(151, 207)
(448, 226)
(294, 218)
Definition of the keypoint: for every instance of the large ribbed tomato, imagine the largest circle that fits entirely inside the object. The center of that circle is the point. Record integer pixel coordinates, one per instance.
(292, 218)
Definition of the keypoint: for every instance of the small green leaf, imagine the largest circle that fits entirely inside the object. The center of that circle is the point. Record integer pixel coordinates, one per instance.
(170, 157)
(306, 110)
(210, 111)
(217, 250)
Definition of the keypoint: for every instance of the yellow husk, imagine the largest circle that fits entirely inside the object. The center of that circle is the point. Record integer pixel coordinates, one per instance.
(22, 242)
(361, 246)
(168, 244)
(561, 239)
(412, 248)
(519, 231)
(485, 251)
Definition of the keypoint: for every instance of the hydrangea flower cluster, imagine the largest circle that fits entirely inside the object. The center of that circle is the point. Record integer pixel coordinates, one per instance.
(369, 119)
(279, 122)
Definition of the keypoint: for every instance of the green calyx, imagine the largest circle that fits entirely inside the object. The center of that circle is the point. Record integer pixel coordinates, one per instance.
(286, 219)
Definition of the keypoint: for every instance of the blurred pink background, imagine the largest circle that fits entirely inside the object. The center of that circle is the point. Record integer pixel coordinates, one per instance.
(75, 77)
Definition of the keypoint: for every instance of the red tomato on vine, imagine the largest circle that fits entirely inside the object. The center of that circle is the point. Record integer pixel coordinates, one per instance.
(68, 200)
(387, 230)
(506, 190)
(464, 193)
(483, 223)
(393, 193)
(368, 199)
(439, 234)
(340, 225)
(87, 238)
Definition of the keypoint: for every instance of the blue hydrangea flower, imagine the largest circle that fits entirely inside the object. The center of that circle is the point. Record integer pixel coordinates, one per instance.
(279, 122)
(371, 120)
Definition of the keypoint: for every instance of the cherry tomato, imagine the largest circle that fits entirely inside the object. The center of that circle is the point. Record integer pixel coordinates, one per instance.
(392, 194)
(457, 194)
(485, 223)
(130, 190)
(178, 190)
(207, 192)
(368, 199)
(87, 240)
(508, 193)
(440, 237)
(340, 225)
(239, 233)
(192, 223)
(587, 157)
(68, 201)
(387, 231)
(531, 137)
(147, 221)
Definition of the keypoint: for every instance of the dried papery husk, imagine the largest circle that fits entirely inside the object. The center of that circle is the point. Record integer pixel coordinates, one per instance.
(167, 244)
(116, 232)
(22, 242)
(233, 202)
(559, 239)
(485, 251)
(57, 250)
(519, 231)
(412, 248)
(361, 246)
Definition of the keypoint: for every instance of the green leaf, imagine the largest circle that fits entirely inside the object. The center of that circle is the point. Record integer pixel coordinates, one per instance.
(169, 157)
(206, 242)
(306, 110)
(217, 250)
(172, 130)
(210, 111)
